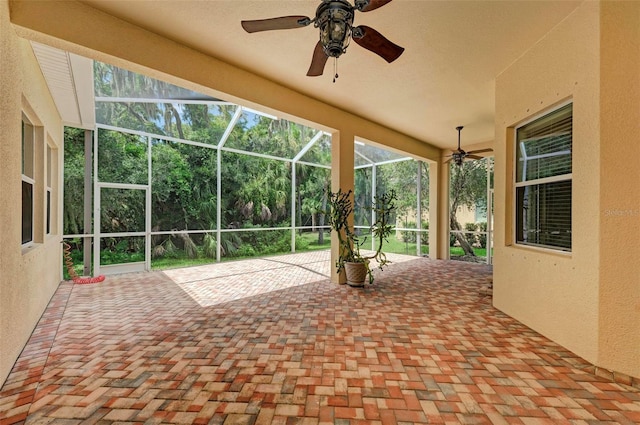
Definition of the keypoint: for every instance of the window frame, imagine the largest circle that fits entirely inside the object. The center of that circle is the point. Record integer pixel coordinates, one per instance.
(49, 203)
(28, 177)
(516, 185)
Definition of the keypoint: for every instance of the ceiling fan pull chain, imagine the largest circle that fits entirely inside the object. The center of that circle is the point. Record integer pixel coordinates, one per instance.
(335, 69)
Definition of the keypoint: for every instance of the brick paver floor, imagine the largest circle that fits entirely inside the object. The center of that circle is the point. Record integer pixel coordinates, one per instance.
(273, 341)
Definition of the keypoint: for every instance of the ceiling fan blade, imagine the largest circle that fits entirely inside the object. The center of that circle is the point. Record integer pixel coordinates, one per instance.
(281, 23)
(481, 151)
(473, 156)
(372, 5)
(374, 41)
(317, 62)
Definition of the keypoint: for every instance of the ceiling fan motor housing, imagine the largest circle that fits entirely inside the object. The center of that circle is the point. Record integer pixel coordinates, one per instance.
(335, 19)
(458, 158)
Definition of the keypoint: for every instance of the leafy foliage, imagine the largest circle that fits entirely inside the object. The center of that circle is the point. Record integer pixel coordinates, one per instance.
(73, 218)
(341, 210)
(468, 187)
(256, 191)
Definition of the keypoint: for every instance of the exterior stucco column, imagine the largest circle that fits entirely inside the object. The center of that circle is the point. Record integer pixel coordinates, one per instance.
(433, 210)
(342, 177)
(439, 211)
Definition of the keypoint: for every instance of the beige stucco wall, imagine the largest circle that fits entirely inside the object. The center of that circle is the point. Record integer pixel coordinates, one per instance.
(588, 300)
(555, 294)
(619, 174)
(27, 279)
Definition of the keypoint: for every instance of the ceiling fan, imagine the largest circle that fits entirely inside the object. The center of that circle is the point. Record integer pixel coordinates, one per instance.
(458, 156)
(334, 18)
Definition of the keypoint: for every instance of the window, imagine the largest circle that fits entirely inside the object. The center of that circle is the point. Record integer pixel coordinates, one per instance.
(49, 186)
(543, 181)
(27, 181)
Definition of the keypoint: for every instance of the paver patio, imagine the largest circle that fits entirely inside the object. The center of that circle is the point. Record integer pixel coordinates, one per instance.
(273, 341)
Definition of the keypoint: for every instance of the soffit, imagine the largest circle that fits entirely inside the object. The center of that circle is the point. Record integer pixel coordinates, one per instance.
(70, 81)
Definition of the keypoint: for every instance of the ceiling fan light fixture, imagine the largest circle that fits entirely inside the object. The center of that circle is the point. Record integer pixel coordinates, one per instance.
(335, 19)
(458, 159)
(458, 156)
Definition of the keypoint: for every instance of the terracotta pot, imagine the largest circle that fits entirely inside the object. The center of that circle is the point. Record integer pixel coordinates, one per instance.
(356, 273)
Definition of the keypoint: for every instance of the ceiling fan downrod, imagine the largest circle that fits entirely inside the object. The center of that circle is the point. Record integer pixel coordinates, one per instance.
(459, 128)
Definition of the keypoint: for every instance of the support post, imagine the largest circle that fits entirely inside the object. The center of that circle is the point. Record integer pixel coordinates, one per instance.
(88, 167)
(489, 211)
(419, 209)
(218, 202)
(444, 177)
(293, 206)
(342, 177)
(374, 193)
(439, 210)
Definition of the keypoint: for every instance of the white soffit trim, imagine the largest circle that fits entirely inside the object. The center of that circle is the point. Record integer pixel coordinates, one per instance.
(70, 81)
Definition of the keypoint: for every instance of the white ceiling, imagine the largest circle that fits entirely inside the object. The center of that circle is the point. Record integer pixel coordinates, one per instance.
(453, 52)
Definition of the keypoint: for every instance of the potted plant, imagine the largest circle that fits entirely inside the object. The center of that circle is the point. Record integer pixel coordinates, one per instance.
(350, 259)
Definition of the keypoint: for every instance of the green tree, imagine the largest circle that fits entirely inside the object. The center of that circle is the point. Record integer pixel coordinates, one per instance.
(172, 177)
(73, 210)
(256, 191)
(314, 184)
(468, 187)
(402, 177)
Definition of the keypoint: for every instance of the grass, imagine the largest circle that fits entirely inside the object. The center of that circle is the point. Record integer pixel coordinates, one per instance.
(397, 246)
(456, 251)
(173, 263)
(310, 240)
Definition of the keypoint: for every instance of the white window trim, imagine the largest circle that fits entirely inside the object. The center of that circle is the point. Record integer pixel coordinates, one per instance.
(49, 201)
(29, 179)
(553, 179)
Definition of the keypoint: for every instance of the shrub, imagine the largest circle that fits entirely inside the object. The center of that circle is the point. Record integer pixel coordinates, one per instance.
(209, 246)
(301, 243)
(471, 237)
(482, 238)
(409, 236)
(245, 251)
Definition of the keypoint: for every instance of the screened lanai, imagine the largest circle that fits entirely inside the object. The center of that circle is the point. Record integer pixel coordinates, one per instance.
(170, 178)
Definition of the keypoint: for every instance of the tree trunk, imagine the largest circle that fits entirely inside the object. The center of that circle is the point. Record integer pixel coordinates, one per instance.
(176, 116)
(461, 237)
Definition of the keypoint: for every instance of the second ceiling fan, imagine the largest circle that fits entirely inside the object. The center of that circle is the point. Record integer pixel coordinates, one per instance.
(334, 18)
(459, 155)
